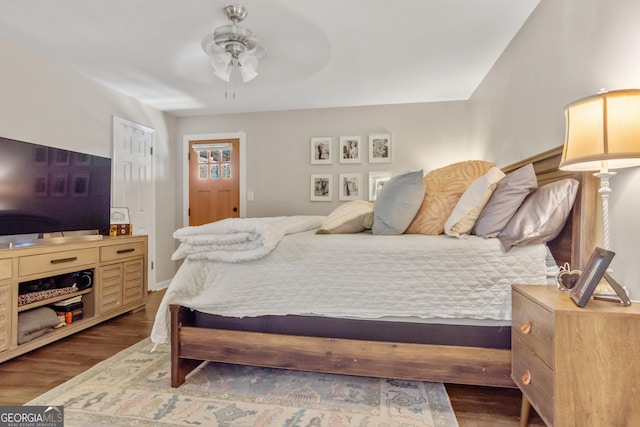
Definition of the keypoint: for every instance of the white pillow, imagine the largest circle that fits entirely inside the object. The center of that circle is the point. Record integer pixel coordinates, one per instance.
(473, 200)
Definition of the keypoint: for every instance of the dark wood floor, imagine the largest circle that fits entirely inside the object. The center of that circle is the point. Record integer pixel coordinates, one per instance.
(28, 376)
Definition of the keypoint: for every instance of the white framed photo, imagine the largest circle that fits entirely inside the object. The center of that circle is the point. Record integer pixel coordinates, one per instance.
(350, 186)
(321, 185)
(349, 149)
(321, 150)
(377, 180)
(380, 148)
(120, 216)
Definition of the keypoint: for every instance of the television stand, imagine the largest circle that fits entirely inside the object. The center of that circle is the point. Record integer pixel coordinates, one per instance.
(119, 266)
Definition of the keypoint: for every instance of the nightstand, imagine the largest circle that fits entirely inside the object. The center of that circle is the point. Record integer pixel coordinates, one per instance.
(576, 366)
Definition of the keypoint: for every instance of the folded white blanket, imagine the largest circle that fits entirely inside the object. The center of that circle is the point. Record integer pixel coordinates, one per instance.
(239, 239)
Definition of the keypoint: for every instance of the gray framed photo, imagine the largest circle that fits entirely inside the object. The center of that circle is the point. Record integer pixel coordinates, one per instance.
(80, 185)
(61, 158)
(590, 277)
(40, 155)
(321, 150)
(59, 185)
(40, 184)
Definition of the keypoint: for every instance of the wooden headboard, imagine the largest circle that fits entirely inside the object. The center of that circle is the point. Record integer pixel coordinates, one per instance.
(577, 239)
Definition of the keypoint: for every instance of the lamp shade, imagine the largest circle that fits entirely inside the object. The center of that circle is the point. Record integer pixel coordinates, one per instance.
(603, 132)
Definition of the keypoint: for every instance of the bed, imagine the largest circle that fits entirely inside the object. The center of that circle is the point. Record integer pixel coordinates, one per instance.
(475, 352)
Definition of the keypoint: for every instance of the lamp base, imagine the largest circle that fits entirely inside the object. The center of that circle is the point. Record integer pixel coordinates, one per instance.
(604, 288)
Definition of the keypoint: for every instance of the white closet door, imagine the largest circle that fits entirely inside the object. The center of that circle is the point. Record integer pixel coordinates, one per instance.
(133, 183)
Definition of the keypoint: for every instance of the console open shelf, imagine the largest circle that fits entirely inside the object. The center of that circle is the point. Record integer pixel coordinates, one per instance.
(53, 300)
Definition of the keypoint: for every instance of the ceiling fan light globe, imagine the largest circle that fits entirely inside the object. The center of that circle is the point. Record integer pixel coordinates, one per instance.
(247, 74)
(234, 49)
(222, 73)
(220, 60)
(248, 60)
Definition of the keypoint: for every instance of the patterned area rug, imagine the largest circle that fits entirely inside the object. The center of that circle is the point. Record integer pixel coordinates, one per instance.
(133, 389)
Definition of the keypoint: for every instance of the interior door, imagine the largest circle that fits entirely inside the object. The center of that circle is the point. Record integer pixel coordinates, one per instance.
(214, 180)
(133, 184)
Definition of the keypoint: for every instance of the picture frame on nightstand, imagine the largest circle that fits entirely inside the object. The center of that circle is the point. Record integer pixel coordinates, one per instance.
(592, 274)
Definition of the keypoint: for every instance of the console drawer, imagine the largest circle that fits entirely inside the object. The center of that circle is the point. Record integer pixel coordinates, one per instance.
(52, 262)
(125, 250)
(5, 269)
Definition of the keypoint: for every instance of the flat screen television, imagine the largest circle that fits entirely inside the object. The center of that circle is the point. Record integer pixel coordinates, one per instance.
(50, 190)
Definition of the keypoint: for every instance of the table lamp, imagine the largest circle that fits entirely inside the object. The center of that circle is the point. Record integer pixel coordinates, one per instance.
(603, 133)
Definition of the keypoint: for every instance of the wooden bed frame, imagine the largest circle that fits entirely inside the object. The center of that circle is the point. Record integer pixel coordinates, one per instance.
(191, 345)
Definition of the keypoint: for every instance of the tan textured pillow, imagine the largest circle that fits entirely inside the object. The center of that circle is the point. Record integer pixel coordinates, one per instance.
(473, 200)
(347, 218)
(443, 189)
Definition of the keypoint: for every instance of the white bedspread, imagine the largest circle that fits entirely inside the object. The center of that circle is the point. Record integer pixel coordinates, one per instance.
(239, 239)
(362, 276)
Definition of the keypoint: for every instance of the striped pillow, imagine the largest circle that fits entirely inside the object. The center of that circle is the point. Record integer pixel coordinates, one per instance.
(347, 218)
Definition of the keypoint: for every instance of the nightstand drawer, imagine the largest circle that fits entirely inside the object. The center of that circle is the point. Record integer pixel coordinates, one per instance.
(533, 324)
(533, 377)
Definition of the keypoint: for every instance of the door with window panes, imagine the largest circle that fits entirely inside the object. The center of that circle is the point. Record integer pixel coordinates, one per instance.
(214, 184)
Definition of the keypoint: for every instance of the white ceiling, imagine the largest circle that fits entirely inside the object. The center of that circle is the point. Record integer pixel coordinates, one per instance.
(322, 53)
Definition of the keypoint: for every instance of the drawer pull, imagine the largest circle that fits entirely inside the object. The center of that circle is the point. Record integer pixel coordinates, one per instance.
(63, 260)
(526, 378)
(526, 327)
(126, 251)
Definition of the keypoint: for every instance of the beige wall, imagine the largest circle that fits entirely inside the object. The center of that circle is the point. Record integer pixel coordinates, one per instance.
(278, 147)
(567, 50)
(44, 103)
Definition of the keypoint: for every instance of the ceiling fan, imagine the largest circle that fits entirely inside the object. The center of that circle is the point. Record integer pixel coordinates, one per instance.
(234, 49)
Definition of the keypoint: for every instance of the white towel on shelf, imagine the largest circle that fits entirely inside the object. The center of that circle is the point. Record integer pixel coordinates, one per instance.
(239, 239)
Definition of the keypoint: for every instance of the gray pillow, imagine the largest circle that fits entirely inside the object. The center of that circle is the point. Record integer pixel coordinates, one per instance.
(505, 201)
(398, 203)
(542, 215)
